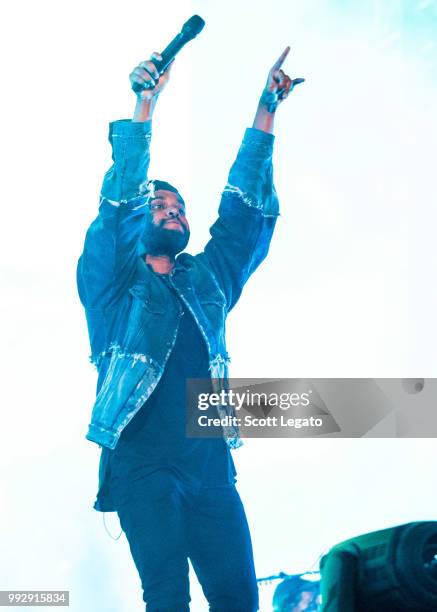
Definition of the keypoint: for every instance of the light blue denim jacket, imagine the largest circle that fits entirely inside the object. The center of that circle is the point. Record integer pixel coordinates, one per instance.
(132, 317)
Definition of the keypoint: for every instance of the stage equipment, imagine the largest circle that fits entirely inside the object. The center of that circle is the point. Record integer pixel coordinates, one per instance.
(389, 570)
(296, 594)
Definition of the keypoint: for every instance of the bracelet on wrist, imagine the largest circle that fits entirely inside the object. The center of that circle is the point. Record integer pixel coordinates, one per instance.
(270, 100)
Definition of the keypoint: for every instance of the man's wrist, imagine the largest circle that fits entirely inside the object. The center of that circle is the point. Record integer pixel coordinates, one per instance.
(144, 109)
(264, 119)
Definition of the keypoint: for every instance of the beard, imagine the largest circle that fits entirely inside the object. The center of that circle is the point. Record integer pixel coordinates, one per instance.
(159, 240)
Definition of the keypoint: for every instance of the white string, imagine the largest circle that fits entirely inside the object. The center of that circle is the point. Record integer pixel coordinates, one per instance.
(107, 530)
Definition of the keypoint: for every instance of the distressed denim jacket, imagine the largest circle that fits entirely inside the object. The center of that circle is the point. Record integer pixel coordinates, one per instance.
(132, 316)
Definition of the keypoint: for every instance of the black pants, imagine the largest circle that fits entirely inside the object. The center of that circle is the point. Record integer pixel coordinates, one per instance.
(167, 521)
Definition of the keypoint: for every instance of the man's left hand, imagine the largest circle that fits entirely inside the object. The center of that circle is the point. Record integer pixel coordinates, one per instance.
(279, 85)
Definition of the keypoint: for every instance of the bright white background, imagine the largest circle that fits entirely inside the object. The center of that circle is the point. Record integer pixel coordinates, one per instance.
(347, 290)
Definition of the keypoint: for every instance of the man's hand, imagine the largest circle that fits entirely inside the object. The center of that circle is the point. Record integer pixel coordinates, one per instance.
(146, 74)
(277, 88)
(278, 85)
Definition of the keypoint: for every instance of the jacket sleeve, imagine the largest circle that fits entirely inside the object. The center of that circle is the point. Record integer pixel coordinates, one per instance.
(108, 262)
(240, 237)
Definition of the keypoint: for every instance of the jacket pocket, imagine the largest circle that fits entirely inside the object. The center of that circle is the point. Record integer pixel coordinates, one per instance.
(143, 295)
(216, 298)
(146, 316)
(214, 311)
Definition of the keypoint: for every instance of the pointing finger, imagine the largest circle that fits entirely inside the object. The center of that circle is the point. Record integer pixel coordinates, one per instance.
(281, 59)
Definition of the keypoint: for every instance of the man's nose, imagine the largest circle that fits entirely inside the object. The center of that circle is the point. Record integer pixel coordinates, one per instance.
(172, 211)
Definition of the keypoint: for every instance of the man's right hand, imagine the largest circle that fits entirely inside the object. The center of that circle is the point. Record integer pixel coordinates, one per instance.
(146, 73)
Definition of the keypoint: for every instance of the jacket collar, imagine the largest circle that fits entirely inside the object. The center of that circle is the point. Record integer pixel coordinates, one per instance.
(144, 270)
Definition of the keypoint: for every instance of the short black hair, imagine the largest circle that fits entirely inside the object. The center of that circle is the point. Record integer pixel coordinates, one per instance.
(167, 186)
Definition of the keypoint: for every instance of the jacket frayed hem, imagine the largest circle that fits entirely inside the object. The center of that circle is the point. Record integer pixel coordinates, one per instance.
(244, 197)
(114, 347)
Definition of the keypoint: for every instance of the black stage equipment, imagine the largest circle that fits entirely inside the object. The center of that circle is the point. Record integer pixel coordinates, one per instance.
(389, 570)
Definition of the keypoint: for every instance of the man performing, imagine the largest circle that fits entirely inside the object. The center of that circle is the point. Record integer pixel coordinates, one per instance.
(156, 317)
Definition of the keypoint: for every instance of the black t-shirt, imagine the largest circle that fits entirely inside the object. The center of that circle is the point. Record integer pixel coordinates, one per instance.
(155, 438)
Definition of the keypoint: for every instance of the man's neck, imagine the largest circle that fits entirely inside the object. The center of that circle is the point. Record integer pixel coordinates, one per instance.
(161, 264)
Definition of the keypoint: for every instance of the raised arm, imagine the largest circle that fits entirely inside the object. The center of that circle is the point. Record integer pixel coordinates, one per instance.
(240, 238)
(108, 262)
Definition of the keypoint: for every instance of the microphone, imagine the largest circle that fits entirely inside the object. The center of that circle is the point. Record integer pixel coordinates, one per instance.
(190, 30)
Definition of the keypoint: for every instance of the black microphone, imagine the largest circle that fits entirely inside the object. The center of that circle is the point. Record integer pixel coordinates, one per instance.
(190, 30)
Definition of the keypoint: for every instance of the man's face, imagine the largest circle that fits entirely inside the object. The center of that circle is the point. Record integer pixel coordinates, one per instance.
(167, 231)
